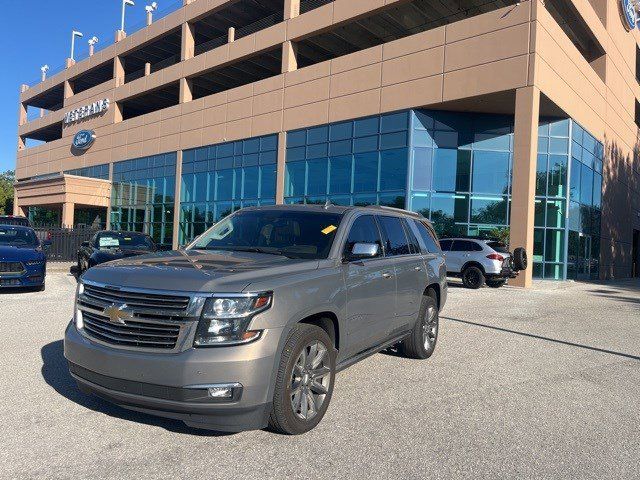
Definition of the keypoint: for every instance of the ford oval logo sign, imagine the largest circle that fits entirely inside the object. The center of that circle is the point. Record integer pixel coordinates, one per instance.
(84, 139)
(629, 13)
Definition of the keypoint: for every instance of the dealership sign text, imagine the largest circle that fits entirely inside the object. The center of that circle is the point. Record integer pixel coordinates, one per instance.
(96, 108)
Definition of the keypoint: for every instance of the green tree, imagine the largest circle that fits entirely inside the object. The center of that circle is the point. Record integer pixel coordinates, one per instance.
(7, 180)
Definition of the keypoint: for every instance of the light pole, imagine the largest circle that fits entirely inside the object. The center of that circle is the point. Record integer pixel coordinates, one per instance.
(74, 34)
(92, 42)
(124, 6)
(150, 9)
(44, 69)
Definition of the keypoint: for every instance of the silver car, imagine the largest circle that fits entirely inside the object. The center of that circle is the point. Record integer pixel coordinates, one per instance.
(247, 327)
(479, 260)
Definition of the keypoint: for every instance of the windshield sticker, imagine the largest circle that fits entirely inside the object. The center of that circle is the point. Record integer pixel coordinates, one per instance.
(9, 233)
(109, 242)
(329, 229)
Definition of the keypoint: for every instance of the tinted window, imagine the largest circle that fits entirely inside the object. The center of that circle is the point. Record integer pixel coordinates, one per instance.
(498, 247)
(363, 230)
(395, 240)
(446, 245)
(414, 246)
(465, 246)
(124, 241)
(428, 237)
(18, 237)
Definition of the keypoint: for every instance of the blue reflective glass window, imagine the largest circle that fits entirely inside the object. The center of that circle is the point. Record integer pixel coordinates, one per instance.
(341, 131)
(424, 120)
(393, 169)
(489, 210)
(365, 177)
(251, 146)
(586, 186)
(393, 199)
(224, 184)
(202, 154)
(200, 194)
(589, 142)
(317, 176)
(543, 129)
(295, 154)
(342, 147)
(317, 135)
(269, 143)
(224, 163)
(366, 126)
(484, 141)
(576, 133)
(268, 182)
(297, 138)
(451, 170)
(422, 168)
(250, 182)
(447, 209)
(559, 145)
(238, 147)
(251, 160)
(420, 203)
(575, 218)
(541, 175)
(555, 213)
(554, 246)
(364, 200)
(295, 178)
(576, 169)
(446, 139)
(225, 150)
(539, 212)
(422, 138)
(394, 122)
(597, 190)
(491, 172)
(365, 144)
(576, 150)
(340, 174)
(186, 192)
(267, 158)
(317, 151)
(393, 140)
(558, 165)
(559, 128)
(588, 158)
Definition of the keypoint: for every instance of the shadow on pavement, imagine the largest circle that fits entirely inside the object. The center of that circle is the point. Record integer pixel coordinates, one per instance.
(547, 339)
(56, 373)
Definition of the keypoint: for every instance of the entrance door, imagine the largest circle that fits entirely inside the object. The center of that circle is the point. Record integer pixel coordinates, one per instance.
(580, 261)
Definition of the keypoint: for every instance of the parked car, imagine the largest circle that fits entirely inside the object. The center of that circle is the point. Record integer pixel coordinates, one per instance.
(14, 220)
(480, 261)
(249, 324)
(109, 245)
(23, 263)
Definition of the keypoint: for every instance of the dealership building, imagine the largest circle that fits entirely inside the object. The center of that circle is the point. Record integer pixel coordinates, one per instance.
(480, 114)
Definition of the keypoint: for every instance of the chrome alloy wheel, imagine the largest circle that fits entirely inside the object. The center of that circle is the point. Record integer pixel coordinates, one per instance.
(310, 380)
(430, 327)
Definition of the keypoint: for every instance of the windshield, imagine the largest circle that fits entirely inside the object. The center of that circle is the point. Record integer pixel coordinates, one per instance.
(18, 237)
(295, 234)
(124, 241)
(498, 247)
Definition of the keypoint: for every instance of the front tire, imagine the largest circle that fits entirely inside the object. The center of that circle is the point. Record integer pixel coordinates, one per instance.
(473, 277)
(422, 342)
(304, 382)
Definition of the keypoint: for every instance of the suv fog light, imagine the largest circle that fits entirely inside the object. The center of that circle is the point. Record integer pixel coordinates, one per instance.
(79, 319)
(221, 392)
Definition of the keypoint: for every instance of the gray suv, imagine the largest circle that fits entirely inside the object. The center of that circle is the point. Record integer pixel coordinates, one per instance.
(247, 327)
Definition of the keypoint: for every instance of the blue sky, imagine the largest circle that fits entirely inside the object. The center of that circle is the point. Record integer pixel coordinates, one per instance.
(38, 32)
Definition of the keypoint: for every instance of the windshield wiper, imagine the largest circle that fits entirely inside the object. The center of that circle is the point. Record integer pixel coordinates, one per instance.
(267, 251)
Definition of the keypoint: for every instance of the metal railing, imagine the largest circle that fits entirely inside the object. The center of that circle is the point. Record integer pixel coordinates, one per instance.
(65, 242)
(261, 24)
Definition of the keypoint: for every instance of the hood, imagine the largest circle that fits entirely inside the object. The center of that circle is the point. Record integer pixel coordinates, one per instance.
(196, 270)
(19, 254)
(116, 254)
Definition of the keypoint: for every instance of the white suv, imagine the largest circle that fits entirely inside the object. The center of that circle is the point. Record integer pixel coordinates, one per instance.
(479, 260)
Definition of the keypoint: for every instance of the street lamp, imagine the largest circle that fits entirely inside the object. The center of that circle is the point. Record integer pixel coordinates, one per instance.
(150, 9)
(74, 34)
(124, 6)
(92, 42)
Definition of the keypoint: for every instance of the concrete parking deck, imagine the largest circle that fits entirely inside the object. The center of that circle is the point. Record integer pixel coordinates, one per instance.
(540, 383)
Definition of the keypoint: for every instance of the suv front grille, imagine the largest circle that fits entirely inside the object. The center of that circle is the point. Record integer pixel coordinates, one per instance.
(11, 267)
(153, 321)
(132, 333)
(167, 303)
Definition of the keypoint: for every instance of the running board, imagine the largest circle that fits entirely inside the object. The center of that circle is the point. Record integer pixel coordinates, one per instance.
(371, 351)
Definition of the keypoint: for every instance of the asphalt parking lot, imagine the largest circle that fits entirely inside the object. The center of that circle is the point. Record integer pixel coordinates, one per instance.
(542, 383)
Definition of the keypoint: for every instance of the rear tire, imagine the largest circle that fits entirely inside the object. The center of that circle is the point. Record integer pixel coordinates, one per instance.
(473, 277)
(304, 382)
(520, 259)
(422, 342)
(496, 283)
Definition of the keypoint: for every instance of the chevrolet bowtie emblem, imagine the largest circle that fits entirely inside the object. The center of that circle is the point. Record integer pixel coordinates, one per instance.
(118, 313)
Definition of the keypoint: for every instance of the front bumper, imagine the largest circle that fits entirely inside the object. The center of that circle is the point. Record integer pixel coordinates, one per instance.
(174, 385)
(31, 277)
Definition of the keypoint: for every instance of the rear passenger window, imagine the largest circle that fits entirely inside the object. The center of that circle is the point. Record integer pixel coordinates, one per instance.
(414, 246)
(465, 246)
(428, 237)
(394, 238)
(363, 230)
(446, 245)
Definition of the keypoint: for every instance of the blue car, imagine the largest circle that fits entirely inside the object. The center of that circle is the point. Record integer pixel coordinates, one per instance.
(23, 263)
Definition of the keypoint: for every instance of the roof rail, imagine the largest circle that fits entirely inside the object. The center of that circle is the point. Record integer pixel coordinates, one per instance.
(393, 209)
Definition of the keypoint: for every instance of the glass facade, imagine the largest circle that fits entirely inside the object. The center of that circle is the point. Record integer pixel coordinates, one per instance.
(460, 170)
(358, 162)
(143, 194)
(219, 179)
(97, 171)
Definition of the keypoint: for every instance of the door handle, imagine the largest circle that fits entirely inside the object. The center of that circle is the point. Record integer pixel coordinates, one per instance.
(386, 275)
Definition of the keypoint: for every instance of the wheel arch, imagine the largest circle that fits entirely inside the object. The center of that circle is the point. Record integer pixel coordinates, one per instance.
(436, 289)
(473, 264)
(327, 321)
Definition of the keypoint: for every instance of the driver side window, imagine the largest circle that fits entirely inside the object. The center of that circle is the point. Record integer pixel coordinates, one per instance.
(363, 230)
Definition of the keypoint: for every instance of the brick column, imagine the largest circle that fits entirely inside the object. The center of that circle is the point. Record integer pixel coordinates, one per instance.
(187, 49)
(67, 214)
(186, 94)
(291, 9)
(118, 70)
(525, 153)
(176, 202)
(289, 57)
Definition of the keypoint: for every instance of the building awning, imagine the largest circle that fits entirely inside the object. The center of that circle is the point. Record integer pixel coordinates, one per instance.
(63, 189)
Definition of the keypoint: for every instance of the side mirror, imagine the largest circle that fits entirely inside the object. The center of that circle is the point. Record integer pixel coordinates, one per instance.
(362, 251)
(85, 244)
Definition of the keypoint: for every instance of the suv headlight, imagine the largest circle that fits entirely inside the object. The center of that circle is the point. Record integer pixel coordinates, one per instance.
(77, 314)
(225, 319)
